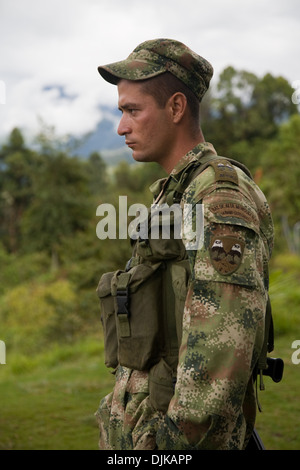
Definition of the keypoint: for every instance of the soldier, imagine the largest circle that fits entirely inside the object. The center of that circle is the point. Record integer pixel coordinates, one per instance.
(184, 327)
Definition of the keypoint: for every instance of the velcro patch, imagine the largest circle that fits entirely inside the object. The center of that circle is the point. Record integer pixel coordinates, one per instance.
(224, 171)
(226, 253)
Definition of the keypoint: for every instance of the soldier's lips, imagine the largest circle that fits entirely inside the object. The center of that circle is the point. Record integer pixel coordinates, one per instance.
(130, 144)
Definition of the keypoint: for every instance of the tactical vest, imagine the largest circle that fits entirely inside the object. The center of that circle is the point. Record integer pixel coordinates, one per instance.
(142, 306)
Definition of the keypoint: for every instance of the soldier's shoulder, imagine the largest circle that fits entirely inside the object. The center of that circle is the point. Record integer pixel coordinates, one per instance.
(230, 197)
(201, 184)
(218, 176)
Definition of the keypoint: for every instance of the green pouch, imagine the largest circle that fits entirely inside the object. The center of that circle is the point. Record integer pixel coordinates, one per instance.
(107, 305)
(164, 237)
(161, 386)
(139, 315)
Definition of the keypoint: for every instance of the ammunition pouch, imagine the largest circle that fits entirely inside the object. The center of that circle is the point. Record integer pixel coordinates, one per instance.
(142, 306)
(141, 313)
(138, 315)
(107, 306)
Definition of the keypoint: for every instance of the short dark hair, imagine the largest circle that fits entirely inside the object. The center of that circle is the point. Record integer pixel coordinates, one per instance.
(163, 86)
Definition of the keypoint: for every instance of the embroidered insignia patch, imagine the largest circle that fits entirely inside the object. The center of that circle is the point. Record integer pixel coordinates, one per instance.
(234, 209)
(224, 171)
(226, 253)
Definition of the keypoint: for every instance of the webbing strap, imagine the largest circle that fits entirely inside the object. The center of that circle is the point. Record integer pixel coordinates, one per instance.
(268, 344)
(176, 188)
(123, 304)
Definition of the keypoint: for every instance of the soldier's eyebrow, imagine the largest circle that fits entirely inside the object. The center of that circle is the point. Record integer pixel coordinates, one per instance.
(126, 106)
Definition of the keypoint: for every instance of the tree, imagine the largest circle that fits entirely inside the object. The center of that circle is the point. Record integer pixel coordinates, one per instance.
(17, 165)
(280, 176)
(61, 204)
(246, 112)
(97, 173)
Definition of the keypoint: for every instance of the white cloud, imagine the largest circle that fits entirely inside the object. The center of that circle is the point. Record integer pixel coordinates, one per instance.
(61, 43)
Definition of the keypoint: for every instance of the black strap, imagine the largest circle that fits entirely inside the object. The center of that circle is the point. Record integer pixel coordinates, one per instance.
(255, 442)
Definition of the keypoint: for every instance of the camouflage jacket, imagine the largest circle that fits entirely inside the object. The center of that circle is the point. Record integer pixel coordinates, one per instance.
(213, 405)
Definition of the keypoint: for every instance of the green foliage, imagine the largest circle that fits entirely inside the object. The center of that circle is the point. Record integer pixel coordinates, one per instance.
(60, 207)
(281, 166)
(285, 293)
(16, 269)
(18, 164)
(247, 111)
(29, 311)
(96, 174)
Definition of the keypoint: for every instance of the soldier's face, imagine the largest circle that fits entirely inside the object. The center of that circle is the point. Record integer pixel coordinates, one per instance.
(148, 129)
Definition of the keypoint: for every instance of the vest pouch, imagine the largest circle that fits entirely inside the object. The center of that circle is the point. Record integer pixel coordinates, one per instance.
(180, 274)
(164, 236)
(139, 317)
(161, 385)
(107, 306)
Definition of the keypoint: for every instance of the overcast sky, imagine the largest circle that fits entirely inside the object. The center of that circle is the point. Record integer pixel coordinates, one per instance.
(50, 50)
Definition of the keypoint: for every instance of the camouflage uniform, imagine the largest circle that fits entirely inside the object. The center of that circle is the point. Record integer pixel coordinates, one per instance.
(213, 405)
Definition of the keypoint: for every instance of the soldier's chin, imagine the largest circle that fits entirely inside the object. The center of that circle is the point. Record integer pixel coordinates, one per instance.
(140, 157)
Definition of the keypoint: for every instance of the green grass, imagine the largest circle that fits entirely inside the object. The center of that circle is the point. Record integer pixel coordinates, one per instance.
(49, 403)
(279, 422)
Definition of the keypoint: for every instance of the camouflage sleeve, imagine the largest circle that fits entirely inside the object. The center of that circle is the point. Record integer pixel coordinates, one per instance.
(223, 328)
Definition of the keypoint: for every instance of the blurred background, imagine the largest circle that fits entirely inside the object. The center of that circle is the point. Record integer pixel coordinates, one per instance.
(60, 158)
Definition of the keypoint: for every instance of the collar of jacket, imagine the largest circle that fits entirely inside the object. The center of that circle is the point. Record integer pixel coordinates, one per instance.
(197, 154)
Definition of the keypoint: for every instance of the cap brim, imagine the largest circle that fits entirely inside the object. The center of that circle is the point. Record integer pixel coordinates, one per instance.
(130, 70)
(108, 75)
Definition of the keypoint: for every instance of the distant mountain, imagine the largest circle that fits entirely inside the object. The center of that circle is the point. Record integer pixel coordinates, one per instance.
(105, 140)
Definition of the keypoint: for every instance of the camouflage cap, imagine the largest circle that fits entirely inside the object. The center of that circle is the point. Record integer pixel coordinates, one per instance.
(154, 57)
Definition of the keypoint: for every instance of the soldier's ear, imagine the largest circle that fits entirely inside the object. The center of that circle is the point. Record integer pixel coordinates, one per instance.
(177, 105)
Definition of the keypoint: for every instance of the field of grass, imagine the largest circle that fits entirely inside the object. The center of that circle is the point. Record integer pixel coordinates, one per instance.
(279, 423)
(49, 403)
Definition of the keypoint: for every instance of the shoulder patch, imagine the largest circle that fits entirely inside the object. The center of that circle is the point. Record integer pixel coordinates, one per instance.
(224, 171)
(233, 209)
(226, 253)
